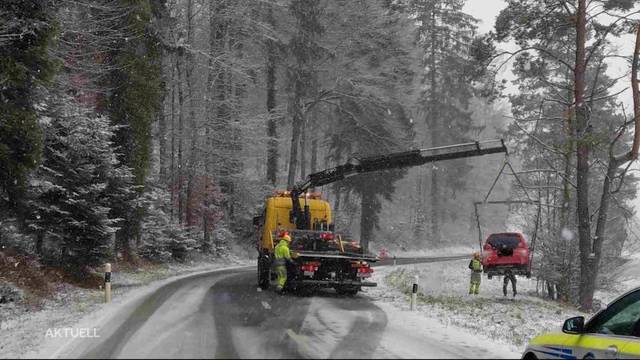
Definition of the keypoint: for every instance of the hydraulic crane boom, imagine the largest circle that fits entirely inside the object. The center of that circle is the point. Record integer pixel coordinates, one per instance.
(404, 159)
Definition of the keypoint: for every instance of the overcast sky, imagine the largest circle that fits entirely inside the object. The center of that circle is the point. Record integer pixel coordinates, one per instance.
(485, 10)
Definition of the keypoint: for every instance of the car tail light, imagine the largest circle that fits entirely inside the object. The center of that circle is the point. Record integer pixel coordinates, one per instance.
(309, 267)
(326, 236)
(364, 272)
(363, 269)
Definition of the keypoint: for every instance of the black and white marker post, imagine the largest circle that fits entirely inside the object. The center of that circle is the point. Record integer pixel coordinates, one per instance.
(107, 283)
(414, 293)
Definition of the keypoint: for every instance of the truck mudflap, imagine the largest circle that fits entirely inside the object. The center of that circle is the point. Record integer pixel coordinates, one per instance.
(330, 283)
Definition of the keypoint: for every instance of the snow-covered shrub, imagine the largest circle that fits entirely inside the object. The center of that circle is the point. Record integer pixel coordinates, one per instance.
(162, 238)
(13, 237)
(222, 239)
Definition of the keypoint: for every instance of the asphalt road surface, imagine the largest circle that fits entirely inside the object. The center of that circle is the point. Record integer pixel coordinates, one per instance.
(222, 314)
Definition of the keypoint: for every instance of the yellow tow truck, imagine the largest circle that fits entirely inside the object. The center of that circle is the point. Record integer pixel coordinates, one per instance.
(321, 256)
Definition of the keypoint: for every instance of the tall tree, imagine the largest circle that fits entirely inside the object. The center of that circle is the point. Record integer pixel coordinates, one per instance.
(25, 64)
(302, 77)
(272, 50)
(372, 79)
(445, 34)
(77, 184)
(574, 77)
(134, 101)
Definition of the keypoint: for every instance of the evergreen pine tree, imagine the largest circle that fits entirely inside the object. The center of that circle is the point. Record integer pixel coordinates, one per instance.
(76, 186)
(445, 34)
(370, 118)
(24, 64)
(134, 102)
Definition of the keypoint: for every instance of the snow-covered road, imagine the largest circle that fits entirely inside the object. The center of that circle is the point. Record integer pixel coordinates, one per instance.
(222, 314)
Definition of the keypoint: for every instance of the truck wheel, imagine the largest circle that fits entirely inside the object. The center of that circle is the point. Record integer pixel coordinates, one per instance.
(347, 290)
(264, 274)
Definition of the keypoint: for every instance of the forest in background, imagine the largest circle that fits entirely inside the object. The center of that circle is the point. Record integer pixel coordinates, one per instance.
(154, 129)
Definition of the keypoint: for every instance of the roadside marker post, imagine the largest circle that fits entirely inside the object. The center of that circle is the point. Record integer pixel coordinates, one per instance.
(107, 283)
(414, 293)
(394, 260)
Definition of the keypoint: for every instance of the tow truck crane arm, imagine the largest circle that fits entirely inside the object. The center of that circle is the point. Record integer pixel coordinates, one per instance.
(398, 160)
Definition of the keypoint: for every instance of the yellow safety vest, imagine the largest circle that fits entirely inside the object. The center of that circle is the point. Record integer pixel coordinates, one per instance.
(476, 265)
(282, 252)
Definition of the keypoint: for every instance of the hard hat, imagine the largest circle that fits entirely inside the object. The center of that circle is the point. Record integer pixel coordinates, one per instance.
(286, 237)
(283, 233)
(476, 254)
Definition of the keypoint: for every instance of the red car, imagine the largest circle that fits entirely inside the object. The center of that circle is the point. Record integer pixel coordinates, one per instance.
(508, 250)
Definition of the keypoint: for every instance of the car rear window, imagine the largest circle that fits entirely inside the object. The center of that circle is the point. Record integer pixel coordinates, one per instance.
(498, 241)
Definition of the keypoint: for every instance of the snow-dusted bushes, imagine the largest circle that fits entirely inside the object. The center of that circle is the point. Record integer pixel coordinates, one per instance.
(162, 238)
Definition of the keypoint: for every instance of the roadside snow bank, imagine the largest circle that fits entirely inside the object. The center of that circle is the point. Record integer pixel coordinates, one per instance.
(443, 288)
(24, 329)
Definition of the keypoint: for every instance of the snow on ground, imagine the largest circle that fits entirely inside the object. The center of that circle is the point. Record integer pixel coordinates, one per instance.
(489, 319)
(24, 329)
(627, 277)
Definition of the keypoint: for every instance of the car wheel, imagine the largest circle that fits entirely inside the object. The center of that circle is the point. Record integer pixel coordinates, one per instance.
(530, 356)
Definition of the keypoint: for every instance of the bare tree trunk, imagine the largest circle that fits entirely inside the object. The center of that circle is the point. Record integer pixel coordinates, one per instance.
(295, 137)
(173, 135)
(367, 223)
(162, 139)
(314, 151)
(602, 219)
(179, 183)
(272, 132)
(303, 151)
(193, 155)
(434, 134)
(582, 156)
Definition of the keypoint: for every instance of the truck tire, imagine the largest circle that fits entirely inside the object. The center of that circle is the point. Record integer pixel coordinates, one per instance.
(347, 290)
(264, 273)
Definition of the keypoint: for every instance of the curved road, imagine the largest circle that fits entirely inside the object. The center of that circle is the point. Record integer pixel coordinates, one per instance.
(222, 314)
